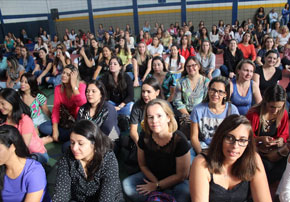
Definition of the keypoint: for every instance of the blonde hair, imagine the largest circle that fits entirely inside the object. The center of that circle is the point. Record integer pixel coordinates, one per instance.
(138, 56)
(209, 50)
(172, 125)
(284, 27)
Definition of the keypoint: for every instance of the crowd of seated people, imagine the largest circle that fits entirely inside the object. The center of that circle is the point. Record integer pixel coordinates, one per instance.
(190, 130)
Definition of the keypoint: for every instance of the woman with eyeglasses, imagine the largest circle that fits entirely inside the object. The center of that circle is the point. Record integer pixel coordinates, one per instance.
(231, 170)
(243, 89)
(208, 115)
(191, 89)
(269, 121)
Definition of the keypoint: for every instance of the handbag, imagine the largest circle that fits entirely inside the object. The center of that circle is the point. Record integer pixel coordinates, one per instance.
(66, 120)
(160, 197)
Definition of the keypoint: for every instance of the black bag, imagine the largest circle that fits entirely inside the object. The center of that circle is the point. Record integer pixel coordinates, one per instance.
(66, 120)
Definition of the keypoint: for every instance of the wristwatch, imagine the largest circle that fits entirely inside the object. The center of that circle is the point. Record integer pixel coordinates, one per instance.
(76, 88)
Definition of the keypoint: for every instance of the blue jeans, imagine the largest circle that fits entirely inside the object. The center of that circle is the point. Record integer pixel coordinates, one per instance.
(284, 20)
(224, 71)
(132, 77)
(45, 128)
(180, 191)
(16, 86)
(126, 110)
(41, 158)
(215, 73)
(54, 80)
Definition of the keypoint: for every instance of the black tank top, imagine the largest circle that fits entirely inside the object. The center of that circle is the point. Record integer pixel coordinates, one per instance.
(217, 193)
(238, 193)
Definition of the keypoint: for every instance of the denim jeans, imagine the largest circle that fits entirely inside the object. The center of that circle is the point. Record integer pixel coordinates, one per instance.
(215, 73)
(224, 71)
(45, 128)
(16, 86)
(126, 110)
(41, 158)
(180, 191)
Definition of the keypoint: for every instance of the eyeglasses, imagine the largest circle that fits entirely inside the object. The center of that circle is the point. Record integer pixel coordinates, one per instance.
(220, 92)
(192, 65)
(230, 139)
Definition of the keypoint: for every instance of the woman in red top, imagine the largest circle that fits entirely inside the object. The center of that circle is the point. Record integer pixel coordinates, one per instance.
(71, 95)
(247, 47)
(185, 49)
(147, 38)
(269, 121)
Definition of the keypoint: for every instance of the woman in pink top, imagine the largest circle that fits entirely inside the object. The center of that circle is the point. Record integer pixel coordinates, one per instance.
(247, 47)
(70, 94)
(14, 112)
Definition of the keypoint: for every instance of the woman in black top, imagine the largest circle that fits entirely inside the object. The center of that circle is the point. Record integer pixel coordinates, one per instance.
(98, 110)
(89, 169)
(103, 62)
(141, 63)
(230, 167)
(232, 56)
(85, 63)
(150, 90)
(163, 156)
(268, 75)
(119, 87)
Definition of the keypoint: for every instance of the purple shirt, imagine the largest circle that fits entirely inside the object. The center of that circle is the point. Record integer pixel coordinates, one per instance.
(31, 179)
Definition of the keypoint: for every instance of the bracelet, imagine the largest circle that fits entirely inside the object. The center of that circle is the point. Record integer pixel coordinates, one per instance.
(120, 106)
(158, 188)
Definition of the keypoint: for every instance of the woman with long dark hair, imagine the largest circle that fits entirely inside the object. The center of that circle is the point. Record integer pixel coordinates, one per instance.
(37, 102)
(269, 121)
(166, 79)
(21, 178)
(26, 60)
(119, 87)
(85, 64)
(247, 47)
(16, 113)
(124, 53)
(89, 169)
(103, 62)
(43, 66)
(175, 62)
(155, 48)
(185, 48)
(150, 90)
(231, 168)
(98, 110)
